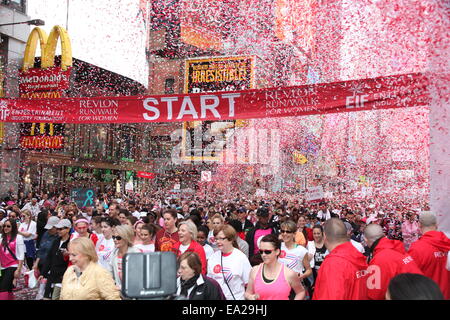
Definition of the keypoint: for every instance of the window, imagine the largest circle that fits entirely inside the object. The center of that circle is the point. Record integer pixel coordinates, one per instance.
(18, 5)
(169, 86)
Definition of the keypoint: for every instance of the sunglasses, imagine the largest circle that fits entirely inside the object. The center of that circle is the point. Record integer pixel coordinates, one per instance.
(265, 252)
(286, 231)
(118, 238)
(6, 226)
(59, 229)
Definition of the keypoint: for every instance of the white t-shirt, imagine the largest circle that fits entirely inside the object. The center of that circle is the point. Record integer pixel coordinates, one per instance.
(136, 214)
(31, 229)
(358, 246)
(208, 251)
(212, 241)
(322, 215)
(293, 258)
(235, 268)
(312, 251)
(183, 248)
(145, 247)
(104, 249)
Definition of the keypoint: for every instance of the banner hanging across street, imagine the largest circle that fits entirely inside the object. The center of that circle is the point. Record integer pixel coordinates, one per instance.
(396, 91)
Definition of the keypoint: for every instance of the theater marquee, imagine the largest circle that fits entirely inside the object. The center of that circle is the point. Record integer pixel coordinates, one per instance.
(213, 75)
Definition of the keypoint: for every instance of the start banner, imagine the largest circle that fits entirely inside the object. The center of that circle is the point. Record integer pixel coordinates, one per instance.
(396, 91)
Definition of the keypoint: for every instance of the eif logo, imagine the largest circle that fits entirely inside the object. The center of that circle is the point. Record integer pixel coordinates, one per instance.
(4, 111)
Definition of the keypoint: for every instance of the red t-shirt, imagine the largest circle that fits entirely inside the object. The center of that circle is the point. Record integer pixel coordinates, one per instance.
(165, 241)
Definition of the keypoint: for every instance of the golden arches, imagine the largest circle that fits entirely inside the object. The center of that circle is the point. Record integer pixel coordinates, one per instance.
(48, 48)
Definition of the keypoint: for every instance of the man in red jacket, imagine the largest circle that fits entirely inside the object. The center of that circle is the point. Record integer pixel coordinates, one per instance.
(389, 259)
(431, 252)
(343, 273)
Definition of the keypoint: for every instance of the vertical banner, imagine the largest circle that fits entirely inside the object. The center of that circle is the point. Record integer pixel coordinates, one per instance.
(213, 75)
(48, 82)
(2, 128)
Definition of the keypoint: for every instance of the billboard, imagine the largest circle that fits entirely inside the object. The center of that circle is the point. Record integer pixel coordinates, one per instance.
(213, 75)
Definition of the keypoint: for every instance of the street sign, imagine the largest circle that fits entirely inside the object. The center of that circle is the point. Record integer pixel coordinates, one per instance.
(206, 176)
(315, 193)
(148, 175)
(83, 197)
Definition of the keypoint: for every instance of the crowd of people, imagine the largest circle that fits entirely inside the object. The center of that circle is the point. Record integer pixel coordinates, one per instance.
(243, 247)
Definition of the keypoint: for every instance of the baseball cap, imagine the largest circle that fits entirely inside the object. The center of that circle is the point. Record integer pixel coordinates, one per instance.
(51, 222)
(64, 223)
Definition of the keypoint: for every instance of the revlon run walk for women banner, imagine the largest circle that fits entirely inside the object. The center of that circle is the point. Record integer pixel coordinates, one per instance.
(397, 91)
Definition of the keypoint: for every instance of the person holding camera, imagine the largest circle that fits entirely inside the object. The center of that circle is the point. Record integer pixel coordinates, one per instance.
(192, 284)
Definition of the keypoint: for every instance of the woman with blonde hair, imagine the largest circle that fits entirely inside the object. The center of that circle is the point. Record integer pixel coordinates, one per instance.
(217, 222)
(187, 232)
(123, 237)
(85, 279)
(28, 230)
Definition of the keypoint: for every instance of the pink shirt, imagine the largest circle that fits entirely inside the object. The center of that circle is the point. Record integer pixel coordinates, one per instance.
(279, 289)
(6, 259)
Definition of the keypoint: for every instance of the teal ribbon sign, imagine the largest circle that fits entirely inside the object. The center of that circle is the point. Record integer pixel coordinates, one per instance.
(83, 197)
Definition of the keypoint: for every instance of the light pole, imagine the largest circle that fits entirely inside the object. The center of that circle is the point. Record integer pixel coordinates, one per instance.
(35, 22)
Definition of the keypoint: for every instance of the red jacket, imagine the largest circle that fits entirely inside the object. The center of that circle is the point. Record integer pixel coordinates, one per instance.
(430, 253)
(342, 275)
(194, 247)
(389, 259)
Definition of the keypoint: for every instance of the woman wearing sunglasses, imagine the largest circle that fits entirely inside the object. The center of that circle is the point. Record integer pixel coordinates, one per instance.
(12, 252)
(272, 280)
(123, 237)
(229, 266)
(294, 256)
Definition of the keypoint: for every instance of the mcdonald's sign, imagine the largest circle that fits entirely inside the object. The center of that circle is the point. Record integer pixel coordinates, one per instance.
(48, 81)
